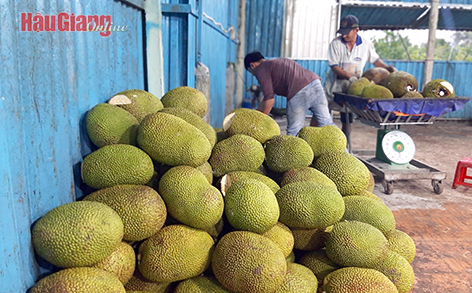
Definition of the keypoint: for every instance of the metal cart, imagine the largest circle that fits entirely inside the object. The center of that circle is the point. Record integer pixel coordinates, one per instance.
(392, 113)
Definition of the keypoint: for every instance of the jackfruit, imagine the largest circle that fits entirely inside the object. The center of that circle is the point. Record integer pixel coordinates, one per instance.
(200, 284)
(438, 88)
(305, 174)
(206, 169)
(248, 262)
(400, 82)
(188, 98)
(368, 194)
(195, 120)
(282, 236)
(79, 280)
(328, 138)
(299, 279)
(252, 123)
(232, 177)
(140, 284)
(412, 95)
(319, 263)
(358, 86)
(174, 253)
(220, 134)
(354, 243)
(357, 280)
(285, 152)
(398, 270)
(108, 124)
(251, 205)
(117, 164)
(139, 103)
(79, 233)
(309, 205)
(376, 91)
(189, 197)
(121, 262)
(171, 140)
(308, 239)
(290, 257)
(140, 207)
(370, 211)
(401, 243)
(377, 75)
(236, 153)
(349, 174)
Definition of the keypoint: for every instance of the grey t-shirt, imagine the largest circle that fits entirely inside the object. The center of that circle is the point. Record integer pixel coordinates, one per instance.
(283, 77)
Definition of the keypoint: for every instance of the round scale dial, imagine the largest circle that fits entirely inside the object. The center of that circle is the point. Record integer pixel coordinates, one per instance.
(398, 147)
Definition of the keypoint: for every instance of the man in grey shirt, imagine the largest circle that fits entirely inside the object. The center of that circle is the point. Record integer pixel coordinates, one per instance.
(301, 87)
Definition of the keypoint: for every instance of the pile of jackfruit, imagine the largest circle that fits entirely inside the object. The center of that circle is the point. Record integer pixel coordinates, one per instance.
(176, 205)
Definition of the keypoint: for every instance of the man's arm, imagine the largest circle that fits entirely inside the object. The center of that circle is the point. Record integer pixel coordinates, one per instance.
(341, 74)
(266, 105)
(380, 63)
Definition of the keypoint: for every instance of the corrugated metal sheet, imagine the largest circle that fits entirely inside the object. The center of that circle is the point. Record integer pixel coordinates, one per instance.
(49, 81)
(441, 2)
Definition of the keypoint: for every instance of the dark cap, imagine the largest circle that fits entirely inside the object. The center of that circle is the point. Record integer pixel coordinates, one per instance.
(348, 23)
(252, 57)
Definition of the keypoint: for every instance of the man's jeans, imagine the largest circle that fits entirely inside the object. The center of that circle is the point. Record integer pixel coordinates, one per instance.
(311, 97)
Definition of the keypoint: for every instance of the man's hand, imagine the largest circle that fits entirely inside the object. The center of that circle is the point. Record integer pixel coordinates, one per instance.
(352, 79)
(391, 69)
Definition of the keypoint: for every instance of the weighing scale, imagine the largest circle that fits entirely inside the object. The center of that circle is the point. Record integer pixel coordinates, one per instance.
(393, 158)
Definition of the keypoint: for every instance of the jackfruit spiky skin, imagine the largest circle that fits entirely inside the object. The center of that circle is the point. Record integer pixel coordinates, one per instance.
(319, 263)
(401, 243)
(142, 103)
(108, 124)
(140, 284)
(349, 174)
(140, 207)
(358, 86)
(305, 174)
(309, 239)
(398, 270)
(285, 152)
(410, 95)
(115, 165)
(174, 253)
(248, 262)
(282, 236)
(368, 194)
(309, 205)
(299, 279)
(186, 97)
(400, 82)
(171, 140)
(189, 197)
(76, 234)
(290, 257)
(370, 211)
(121, 262)
(205, 168)
(251, 205)
(377, 75)
(232, 177)
(354, 243)
(252, 123)
(376, 91)
(195, 120)
(79, 280)
(200, 284)
(357, 280)
(438, 88)
(328, 138)
(236, 153)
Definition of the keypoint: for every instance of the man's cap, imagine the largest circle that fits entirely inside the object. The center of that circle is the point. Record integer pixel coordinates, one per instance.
(252, 57)
(348, 23)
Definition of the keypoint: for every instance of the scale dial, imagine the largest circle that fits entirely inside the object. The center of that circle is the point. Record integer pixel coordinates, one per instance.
(398, 147)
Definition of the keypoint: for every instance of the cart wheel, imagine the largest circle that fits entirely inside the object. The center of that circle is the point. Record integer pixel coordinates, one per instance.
(388, 186)
(437, 186)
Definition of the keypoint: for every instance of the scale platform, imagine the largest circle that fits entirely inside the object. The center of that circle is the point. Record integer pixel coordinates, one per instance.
(391, 114)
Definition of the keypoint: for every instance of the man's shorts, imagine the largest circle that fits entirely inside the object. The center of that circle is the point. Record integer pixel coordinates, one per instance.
(343, 117)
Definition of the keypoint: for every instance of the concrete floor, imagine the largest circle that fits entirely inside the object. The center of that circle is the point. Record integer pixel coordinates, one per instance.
(440, 224)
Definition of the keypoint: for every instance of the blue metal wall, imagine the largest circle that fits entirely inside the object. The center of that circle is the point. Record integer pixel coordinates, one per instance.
(49, 81)
(441, 2)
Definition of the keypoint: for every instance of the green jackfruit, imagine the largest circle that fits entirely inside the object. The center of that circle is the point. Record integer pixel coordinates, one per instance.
(319, 263)
(299, 279)
(188, 98)
(438, 88)
(80, 233)
(248, 262)
(376, 91)
(236, 153)
(357, 280)
(206, 169)
(398, 270)
(290, 257)
(79, 280)
(308, 239)
(285, 152)
(200, 284)
(401, 243)
(305, 174)
(139, 103)
(358, 86)
(171, 140)
(400, 82)
(174, 253)
(115, 165)
(140, 207)
(353, 243)
(108, 124)
(412, 95)
(377, 75)
(252, 123)
(232, 177)
(140, 284)
(121, 262)
(309, 205)
(282, 236)
(328, 138)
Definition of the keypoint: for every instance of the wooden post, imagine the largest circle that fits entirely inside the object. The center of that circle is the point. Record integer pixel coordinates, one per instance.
(240, 55)
(433, 24)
